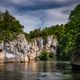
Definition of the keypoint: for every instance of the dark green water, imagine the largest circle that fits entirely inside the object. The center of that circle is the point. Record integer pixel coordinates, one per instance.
(38, 71)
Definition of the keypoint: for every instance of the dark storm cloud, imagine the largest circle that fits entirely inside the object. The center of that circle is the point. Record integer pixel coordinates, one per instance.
(31, 5)
(44, 5)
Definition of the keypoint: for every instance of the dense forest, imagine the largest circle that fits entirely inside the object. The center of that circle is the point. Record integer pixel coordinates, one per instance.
(68, 35)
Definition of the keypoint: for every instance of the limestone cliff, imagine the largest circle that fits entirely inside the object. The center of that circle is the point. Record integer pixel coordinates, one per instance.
(21, 49)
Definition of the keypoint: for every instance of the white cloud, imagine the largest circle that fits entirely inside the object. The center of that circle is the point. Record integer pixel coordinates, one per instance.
(33, 1)
(61, 0)
(22, 2)
(57, 16)
(29, 22)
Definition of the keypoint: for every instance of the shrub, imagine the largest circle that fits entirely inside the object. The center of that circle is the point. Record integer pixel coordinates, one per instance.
(46, 56)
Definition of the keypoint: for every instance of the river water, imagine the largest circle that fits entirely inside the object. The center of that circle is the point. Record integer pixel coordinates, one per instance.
(38, 71)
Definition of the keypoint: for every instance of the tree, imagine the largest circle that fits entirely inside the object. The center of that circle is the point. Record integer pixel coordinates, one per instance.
(9, 26)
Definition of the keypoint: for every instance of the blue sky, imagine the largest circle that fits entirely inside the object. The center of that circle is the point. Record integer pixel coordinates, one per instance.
(39, 13)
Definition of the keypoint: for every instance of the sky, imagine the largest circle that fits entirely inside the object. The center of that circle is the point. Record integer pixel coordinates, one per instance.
(34, 14)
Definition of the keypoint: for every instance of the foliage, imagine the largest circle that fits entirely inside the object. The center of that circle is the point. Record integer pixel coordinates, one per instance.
(69, 39)
(9, 26)
(67, 35)
(46, 56)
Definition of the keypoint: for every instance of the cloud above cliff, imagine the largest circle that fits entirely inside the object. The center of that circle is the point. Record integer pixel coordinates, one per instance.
(39, 13)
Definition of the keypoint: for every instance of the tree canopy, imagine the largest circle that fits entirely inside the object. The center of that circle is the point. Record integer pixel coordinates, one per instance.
(9, 26)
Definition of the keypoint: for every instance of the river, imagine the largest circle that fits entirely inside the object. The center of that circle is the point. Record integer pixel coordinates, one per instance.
(39, 70)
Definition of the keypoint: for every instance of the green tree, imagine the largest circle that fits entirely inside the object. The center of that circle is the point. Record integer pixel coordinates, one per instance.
(9, 26)
(69, 39)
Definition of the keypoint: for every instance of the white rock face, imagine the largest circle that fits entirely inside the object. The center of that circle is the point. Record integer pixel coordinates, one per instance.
(22, 50)
(1, 57)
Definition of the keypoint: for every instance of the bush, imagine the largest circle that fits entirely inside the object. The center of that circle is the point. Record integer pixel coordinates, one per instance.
(46, 56)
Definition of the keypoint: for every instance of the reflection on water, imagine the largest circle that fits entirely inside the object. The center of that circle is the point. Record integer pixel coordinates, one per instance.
(38, 71)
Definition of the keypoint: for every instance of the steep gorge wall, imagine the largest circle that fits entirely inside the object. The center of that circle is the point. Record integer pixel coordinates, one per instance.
(21, 49)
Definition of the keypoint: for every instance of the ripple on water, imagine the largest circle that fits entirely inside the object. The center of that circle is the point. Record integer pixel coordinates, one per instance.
(49, 76)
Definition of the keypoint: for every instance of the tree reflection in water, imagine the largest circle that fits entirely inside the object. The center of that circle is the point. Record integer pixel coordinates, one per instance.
(38, 71)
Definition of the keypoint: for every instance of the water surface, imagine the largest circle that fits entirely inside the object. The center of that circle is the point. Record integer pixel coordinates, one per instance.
(38, 71)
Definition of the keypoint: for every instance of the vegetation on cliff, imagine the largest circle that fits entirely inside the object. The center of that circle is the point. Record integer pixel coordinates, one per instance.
(44, 56)
(9, 26)
(68, 35)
